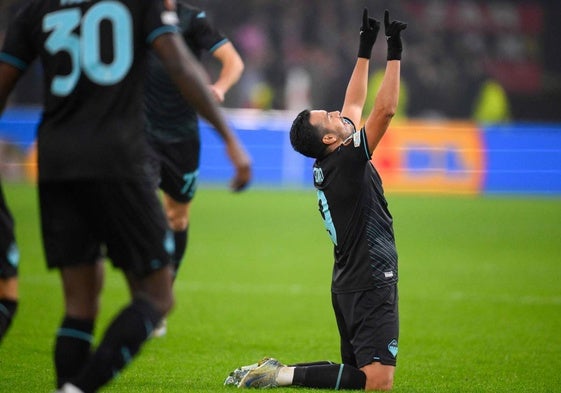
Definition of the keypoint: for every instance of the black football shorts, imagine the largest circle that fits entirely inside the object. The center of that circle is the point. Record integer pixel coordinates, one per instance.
(368, 323)
(175, 167)
(82, 221)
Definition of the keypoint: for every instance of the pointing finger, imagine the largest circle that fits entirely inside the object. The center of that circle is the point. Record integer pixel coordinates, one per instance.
(386, 18)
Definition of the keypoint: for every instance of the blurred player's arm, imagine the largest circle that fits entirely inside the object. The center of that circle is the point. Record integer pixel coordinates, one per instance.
(385, 104)
(355, 95)
(9, 76)
(190, 78)
(232, 67)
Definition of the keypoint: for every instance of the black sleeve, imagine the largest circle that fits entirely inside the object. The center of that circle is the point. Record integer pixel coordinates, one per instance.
(18, 49)
(204, 34)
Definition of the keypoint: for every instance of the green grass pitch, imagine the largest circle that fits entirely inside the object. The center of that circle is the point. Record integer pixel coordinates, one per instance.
(480, 295)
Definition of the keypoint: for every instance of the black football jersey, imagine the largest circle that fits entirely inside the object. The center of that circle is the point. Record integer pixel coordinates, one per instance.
(169, 118)
(356, 216)
(93, 54)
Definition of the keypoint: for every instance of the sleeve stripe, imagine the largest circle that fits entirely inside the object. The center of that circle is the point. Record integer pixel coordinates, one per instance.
(218, 45)
(14, 61)
(159, 31)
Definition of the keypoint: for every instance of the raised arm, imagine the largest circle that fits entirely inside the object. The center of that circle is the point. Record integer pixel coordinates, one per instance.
(385, 104)
(355, 96)
(190, 78)
(231, 70)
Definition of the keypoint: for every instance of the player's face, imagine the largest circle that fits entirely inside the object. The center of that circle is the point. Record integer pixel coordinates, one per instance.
(332, 122)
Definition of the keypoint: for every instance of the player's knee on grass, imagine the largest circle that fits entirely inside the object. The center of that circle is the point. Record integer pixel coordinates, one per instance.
(378, 377)
(379, 385)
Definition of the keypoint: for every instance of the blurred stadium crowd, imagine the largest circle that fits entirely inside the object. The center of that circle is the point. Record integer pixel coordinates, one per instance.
(463, 59)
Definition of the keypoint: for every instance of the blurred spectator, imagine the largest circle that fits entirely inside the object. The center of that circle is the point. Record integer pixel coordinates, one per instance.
(454, 48)
(491, 105)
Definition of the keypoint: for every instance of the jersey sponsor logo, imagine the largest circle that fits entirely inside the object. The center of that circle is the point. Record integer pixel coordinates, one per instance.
(388, 274)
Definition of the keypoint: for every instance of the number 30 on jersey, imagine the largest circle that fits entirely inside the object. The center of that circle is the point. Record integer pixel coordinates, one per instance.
(84, 50)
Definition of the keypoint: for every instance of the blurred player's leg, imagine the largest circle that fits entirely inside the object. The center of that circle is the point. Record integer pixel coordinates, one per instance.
(8, 305)
(82, 287)
(177, 214)
(269, 373)
(9, 259)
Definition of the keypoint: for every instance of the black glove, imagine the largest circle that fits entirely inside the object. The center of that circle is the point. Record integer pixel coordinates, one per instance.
(368, 32)
(393, 36)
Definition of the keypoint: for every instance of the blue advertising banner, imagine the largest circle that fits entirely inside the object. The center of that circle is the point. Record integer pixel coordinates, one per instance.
(414, 156)
(523, 159)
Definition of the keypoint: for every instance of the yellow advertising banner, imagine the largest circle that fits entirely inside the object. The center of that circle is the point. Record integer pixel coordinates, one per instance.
(447, 157)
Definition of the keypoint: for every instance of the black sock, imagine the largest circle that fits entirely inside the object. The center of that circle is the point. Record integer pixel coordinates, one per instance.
(181, 240)
(318, 363)
(122, 341)
(331, 376)
(8, 309)
(72, 348)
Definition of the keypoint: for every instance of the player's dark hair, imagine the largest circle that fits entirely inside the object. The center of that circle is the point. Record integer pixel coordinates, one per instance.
(305, 138)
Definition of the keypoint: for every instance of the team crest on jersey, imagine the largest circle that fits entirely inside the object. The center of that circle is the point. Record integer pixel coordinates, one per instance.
(318, 175)
(392, 347)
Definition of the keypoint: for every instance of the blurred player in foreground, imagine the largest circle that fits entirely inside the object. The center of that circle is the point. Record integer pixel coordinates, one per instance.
(9, 258)
(356, 216)
(95, 196)
(173, 127)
